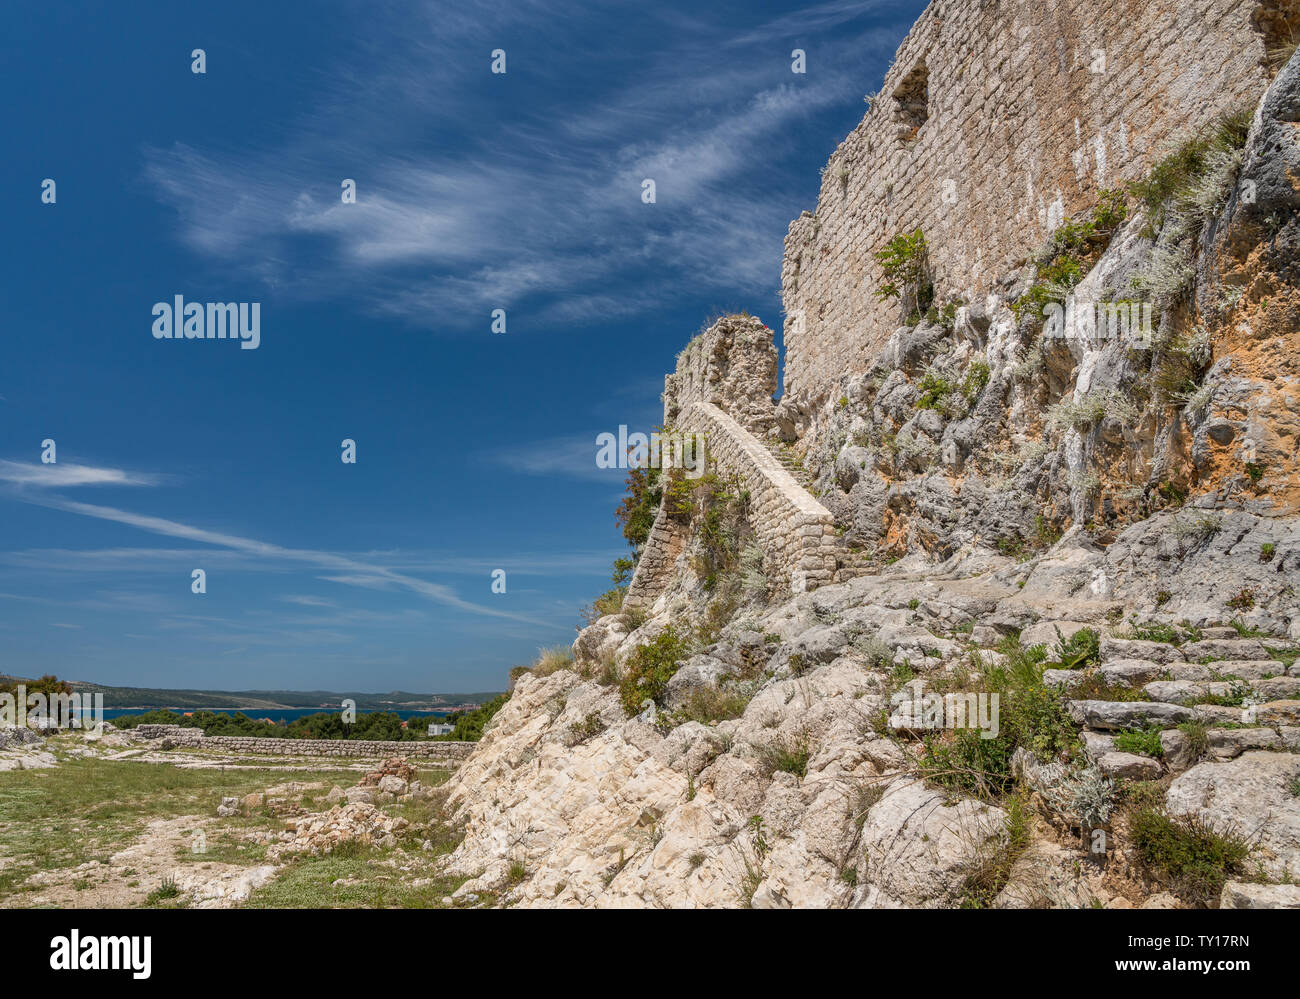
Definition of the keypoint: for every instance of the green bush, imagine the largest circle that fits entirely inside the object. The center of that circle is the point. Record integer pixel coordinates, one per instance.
(636, 513)
(469, 725)
(903, 261)
(1075, 244)
(977, 377)
(712, 704)
(933, 391)
(650, 668)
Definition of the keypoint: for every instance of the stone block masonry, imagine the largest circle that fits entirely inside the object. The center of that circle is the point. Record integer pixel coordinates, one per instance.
(655, 566)
(999, 119)
(795, 532)
(193, 737)
(732, 364)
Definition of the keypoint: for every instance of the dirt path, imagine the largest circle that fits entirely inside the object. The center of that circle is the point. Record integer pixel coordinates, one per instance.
(131, 874)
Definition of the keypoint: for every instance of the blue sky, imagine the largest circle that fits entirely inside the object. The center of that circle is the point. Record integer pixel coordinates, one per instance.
(475, 191)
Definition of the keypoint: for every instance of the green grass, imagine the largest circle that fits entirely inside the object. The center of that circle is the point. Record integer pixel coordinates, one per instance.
(712, 704)
(1155, 632)
(1145, 741)
(355, 876)
(351, 879)
(1286, 657)
(88, 809)
(1198, 738)
(994, 859)
(1031, 715)
(1172, 180)
(789, 757)
(168, 891)
(1189, 854)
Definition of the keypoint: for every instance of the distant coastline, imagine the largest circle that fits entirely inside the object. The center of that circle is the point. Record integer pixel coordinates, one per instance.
(128, 700)
(276, 715)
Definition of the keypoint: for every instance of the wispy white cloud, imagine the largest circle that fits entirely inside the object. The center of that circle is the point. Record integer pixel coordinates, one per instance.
(572, 456)
(149, 560)
(545, 211)
(61, 474)
(347, 570)
(308, 601)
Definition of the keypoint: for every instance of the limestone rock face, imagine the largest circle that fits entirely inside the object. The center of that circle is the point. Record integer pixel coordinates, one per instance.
(919, 849)
(937, 496)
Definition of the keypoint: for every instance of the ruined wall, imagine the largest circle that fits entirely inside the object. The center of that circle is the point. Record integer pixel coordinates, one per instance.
(193, 737)
(998, 119)
(722, 390)
(732, 364)
(654, 569)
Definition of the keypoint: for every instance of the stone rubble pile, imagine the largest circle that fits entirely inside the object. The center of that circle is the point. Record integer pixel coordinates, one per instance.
(324, 832)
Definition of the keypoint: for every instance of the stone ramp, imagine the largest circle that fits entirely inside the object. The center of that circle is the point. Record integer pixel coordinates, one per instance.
(795, 532)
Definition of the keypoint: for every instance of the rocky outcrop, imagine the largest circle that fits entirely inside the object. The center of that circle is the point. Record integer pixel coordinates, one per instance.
(806, 797)
(1094, 520)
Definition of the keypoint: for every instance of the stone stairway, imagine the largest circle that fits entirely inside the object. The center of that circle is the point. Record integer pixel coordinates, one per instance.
(1209, 700)
(849, 563)
(852, 562)
(785, 456)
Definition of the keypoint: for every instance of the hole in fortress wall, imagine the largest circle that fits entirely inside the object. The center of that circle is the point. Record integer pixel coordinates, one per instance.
(912, 102)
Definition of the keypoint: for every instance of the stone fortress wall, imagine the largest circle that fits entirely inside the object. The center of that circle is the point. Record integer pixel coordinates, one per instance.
(998, 119)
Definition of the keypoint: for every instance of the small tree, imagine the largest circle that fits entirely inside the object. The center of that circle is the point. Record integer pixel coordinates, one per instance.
(905, 262)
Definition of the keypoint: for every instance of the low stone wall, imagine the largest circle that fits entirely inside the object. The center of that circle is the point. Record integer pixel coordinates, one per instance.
(181, 735)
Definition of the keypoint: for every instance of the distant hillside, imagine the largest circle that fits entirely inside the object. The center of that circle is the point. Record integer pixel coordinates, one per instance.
(152, 697)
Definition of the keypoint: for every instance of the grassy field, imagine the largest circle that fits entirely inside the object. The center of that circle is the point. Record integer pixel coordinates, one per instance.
(84, 810)
(359, 877)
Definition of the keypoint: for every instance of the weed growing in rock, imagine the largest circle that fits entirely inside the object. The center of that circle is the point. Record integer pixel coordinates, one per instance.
(1073, 249)
(1140, 740)
(1243, 599)
(994, 857)
(590, 726)
(789, 756)
(712, 704)
(1198, 739)
(557, 657)
(1079, 651)
(1190, 854)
